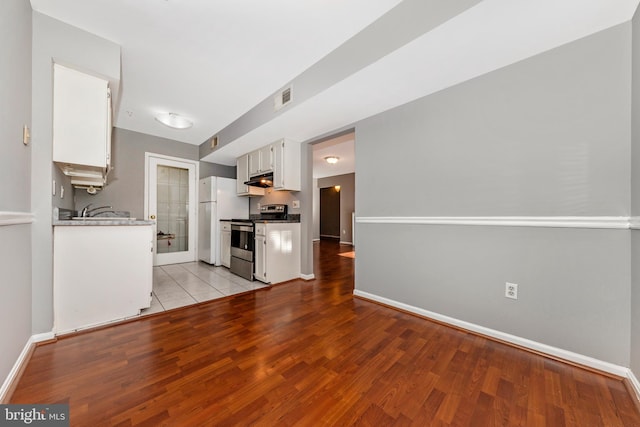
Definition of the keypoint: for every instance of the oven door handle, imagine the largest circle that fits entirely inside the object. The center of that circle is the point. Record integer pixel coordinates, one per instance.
(242, 228)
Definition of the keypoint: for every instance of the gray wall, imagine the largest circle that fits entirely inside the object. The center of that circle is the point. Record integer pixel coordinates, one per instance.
(547, 136)
(316, 210)
(347, 201)
(54, 40)
(214, 169)
(272, 197)
(15, 170)
(125, 188)
(635, 198)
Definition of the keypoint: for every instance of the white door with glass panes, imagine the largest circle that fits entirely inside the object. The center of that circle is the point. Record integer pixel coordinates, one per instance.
(171, 202)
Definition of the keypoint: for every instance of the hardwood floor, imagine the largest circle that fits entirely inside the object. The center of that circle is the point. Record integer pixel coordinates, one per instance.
(309, 354)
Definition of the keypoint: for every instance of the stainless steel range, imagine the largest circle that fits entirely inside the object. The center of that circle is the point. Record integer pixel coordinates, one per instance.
(243, 239)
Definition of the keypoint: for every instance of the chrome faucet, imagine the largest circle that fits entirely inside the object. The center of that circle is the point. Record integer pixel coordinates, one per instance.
(86, 211)
(83, 214)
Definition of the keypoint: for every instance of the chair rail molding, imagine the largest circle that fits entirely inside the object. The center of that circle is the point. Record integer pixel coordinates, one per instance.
(616, 222)
(15, 218)
(634, 223)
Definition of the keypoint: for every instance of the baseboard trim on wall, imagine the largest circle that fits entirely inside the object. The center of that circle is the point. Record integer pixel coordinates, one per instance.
(307, 276)
(633, 386)
(346, 243)
(47, 336)
(616, 222)
(15, 218)
(544, 349)
(11, 382)
(634, 223)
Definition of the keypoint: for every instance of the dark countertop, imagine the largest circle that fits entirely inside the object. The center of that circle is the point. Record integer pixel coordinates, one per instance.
(277, 221)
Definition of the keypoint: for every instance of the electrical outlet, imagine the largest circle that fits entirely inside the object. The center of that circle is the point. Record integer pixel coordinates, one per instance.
(511, 290)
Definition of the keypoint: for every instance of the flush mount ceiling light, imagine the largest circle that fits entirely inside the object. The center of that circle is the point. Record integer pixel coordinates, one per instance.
(332, 159)
(174, 120)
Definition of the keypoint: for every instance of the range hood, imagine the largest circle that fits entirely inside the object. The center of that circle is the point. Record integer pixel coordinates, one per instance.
(264, 180)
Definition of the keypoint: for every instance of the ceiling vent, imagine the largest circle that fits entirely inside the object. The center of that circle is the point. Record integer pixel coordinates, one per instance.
(283, 98)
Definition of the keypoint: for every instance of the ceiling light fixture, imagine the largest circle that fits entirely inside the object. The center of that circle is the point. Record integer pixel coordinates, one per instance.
(174, 120)
(332, 159)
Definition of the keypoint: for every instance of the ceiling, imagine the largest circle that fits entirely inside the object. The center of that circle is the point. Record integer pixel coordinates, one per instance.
(342, 147)
(215, 60)
(211, 60)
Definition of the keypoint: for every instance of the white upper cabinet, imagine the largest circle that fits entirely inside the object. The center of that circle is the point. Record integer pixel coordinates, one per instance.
(242, 176)
(81, 125)
(286, 165)
(261, 161)
(281, 157)
(254, 163)
(266, 159)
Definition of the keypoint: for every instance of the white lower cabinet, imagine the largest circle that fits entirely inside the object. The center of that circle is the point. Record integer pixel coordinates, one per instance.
(260, 254)
(225, 243)
(100, 274)
(277, 252)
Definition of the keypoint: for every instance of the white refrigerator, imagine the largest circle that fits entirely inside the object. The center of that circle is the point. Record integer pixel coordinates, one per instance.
(218, 200)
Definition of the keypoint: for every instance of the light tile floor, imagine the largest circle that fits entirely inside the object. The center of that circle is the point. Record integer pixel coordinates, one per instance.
(179, 285)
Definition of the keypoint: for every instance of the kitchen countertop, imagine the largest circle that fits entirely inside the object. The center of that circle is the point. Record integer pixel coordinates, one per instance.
(102, 222)
(68, 218)
(278, 221)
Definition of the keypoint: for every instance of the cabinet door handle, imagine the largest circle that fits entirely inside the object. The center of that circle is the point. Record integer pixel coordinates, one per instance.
(152, 217)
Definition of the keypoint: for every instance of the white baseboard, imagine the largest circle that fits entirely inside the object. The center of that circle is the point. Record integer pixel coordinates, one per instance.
(21, 362)
(47, 336)
(12, 378)
(307, 276)
(634, 383)
(346, 243)
(559, 353)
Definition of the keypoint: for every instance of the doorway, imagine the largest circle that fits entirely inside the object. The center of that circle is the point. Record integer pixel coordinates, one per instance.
(330, 213)
(170, 201)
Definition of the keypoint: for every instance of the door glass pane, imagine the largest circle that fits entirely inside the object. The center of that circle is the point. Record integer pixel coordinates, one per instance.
(172, 209)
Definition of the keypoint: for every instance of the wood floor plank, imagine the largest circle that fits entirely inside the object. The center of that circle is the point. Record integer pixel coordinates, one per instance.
(310, 354)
